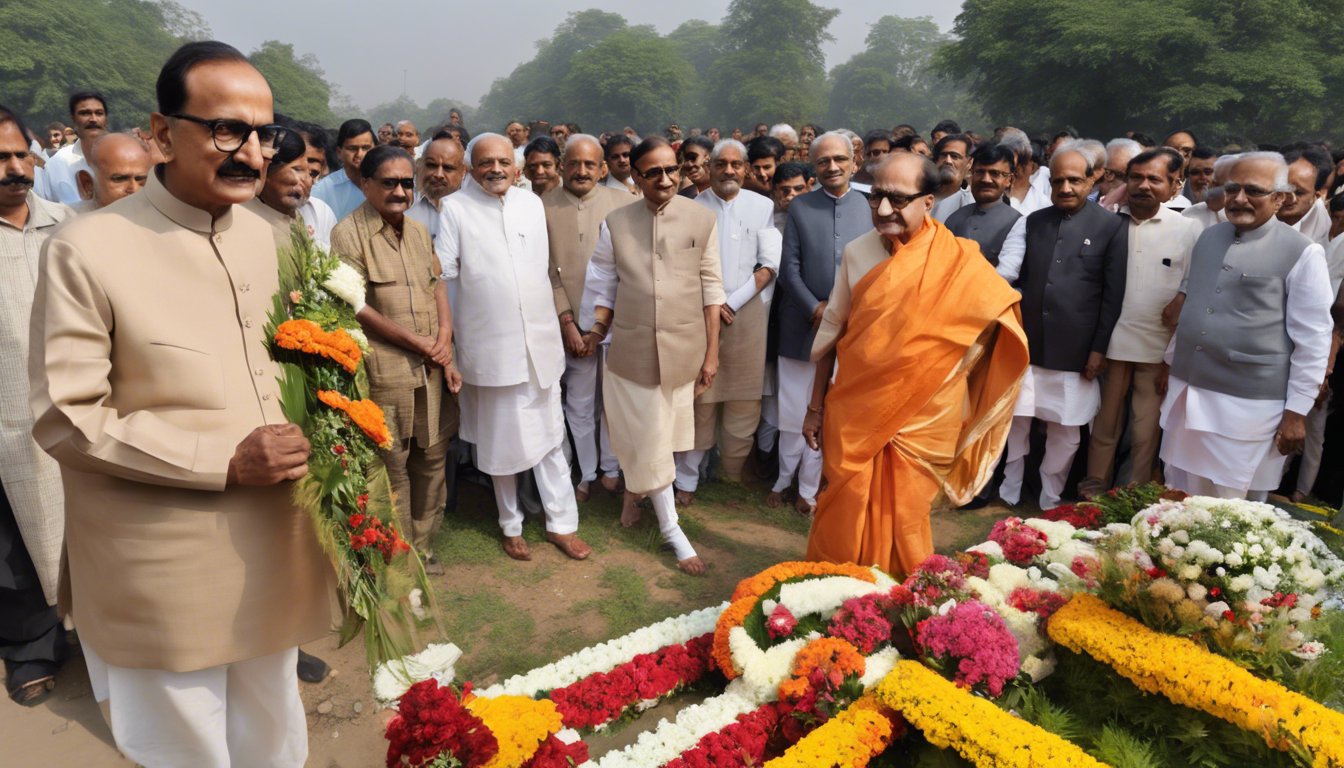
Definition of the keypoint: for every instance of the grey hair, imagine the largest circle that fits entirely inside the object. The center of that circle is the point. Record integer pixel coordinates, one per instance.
(400, 123)
(1223, 165)
(471, 145)
(1123, 145)
(846, 137)
(1280, 167)
(780, 130)
(728, 144)
(580, 138)
(1091, 149)
(1016, 140)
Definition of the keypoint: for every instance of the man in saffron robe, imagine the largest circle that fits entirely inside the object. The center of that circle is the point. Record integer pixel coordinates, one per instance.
(931, 355)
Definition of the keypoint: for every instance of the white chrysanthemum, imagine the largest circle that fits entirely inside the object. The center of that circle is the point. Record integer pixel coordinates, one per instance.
(1056, 531)
(666, 742)
(1217, 609)
(394, 678)
(1038, 668)
(823, 596)
(991, 549)
(1309, 650)
(348, 284)
(358, 335)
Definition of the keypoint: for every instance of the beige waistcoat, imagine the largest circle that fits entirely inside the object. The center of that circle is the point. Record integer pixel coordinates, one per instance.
(148, 366)
(667, 265)
(572, 225)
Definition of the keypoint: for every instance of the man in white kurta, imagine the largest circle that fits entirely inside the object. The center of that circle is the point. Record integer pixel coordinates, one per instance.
(749, 251)
(493, 245)
(88, 115)
(1250, 351)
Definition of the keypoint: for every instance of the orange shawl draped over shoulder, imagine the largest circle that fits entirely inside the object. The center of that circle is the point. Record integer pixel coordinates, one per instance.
(930, 364)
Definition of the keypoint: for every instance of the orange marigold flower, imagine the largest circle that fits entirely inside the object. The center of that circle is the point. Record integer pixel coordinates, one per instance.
(762, 582)
(826, 654)
(732, 616)
(365, 413)
(307, 336)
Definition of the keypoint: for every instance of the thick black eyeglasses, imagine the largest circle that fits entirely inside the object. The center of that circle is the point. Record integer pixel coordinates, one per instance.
(898, 200)
(393, 183)
(653, 174)
(231, 135)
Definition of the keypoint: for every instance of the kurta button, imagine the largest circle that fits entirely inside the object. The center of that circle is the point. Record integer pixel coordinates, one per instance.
(837, 235)
(218, 238)
(1209, 310)
(247, 323)
(658, 298)
(1057, 261)
(244, 288)
(260, 372)
(1217, 290)
(1199, 349)
(1203, 333)
(265, 397)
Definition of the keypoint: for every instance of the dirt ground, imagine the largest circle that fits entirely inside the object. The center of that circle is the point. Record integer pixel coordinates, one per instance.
(507, 617)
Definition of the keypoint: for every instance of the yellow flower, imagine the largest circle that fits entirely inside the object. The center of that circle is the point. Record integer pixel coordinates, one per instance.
(981, 732)
(519, 725)
(850, 739)
(1189, 675)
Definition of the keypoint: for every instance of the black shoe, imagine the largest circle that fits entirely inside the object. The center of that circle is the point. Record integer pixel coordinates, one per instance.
(311, 668)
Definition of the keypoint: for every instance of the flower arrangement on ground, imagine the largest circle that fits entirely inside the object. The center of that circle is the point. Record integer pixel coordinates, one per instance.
(324, 390)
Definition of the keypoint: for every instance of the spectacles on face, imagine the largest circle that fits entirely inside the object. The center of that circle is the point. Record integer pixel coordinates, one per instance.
(996, 175)
(230, 135)
(898, 200)
(406, 183)
(653, 174)
(1111, 175)
(5, 157)
(1233, 189)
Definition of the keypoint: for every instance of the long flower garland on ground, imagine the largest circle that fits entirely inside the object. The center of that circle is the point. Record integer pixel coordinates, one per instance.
(1189, 675)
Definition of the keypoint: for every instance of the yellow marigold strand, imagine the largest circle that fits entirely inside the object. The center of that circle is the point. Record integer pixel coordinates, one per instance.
(364, 413)
(1191, 676)
(850, 739)
(519, 725)
(307, 336)
(981, 732)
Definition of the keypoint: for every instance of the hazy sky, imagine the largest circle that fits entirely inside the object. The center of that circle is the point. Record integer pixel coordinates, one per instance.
(456, 49)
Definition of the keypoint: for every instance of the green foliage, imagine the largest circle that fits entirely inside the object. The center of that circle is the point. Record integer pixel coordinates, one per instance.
(298, 84)
(1119, 748)
(425, 118)
(1120, 505)
(1268, 69)
(894, 80)
(772, 68)
(631, 77)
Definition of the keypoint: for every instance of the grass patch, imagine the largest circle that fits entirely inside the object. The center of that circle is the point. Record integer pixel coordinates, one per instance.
(628, 605)
(495, 636)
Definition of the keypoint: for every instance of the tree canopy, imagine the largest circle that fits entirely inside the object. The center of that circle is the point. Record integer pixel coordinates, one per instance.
(298, 85)
(633, 76)
(1270, 69)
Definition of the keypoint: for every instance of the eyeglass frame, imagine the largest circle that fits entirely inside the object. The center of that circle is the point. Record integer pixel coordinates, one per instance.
(405, 182)
(214, 124)
(1236, 189)
(672, 172)
(876, 196)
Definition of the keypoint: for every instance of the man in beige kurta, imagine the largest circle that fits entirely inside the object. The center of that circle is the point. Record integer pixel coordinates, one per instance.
(655, 275)
(32, 513)
(394, 254)
(574, 213)
(188, 571)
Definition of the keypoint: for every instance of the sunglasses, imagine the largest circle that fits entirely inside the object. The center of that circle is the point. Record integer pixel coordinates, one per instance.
(653, 174)
(898, 200)
(392, 183)
(1232, 189)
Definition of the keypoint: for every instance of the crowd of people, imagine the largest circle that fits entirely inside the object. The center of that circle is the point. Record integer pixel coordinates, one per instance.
(550, 310)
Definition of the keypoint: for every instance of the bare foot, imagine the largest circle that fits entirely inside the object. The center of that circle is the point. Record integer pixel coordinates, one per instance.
(692, 565)
(432, 566)
(630, 510)
(612, 484)
(570, 544)
(516, 547)
(685, 498)
(774, 500)
(804, 507)
(1298, 497)
(581, 492)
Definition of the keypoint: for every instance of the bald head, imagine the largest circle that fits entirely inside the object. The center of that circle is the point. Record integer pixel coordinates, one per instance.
(118, 166)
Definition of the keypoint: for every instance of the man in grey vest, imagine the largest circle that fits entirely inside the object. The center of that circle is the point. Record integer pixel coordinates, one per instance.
(1250, 350)
(988, 220)
(820, 224)
(1069, 262)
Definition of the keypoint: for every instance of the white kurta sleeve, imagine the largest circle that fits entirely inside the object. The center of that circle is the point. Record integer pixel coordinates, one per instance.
(448, 243)
(769, 245)
(1309, 326)
(1014, 251)
(599, 282)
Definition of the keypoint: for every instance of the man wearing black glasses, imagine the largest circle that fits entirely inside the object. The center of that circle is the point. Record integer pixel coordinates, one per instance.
(190, 574)
(1250, 351)
(410, 334)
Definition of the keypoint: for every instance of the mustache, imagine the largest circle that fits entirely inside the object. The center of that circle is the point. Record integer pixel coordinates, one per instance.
(232, 167)
(14, 179)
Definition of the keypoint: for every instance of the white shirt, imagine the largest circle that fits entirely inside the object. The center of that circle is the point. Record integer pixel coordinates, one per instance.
(340, 194)
(319, 219)
(1200, 212)
(1040, 181)
(857, 186)
(1034, 201)
(747, 237)
(424, 212)
(1014, 250)
(497, 252)
(1159, 259)
(1315, 224)
(615, 183)
(1179, 202)
(60, 171)
(951, 204)
(1307, 317)
(1334, 263)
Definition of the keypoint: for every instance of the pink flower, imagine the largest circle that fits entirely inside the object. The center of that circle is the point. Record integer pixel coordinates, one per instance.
(1020, 542)
(861, 621)
(974, 642)
(295, 297)
(781, 623)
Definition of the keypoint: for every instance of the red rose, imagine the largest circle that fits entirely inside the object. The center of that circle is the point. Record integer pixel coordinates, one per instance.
(356, 520)
(338, 449)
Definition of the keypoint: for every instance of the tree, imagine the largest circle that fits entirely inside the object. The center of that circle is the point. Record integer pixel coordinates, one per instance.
(772, 68)
(894, 81)
(1266, 68)
(52, 48)
(700, 44)
(632, 77)
(298, 85)
(425, 118)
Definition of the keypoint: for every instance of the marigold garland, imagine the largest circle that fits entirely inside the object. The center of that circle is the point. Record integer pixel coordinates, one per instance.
(518, 723)
(828, 654)
(732, 616)
(1179, 669)
(307, 336)
(365, 413)
(850, 739)
(974, 727)
(762, 582)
